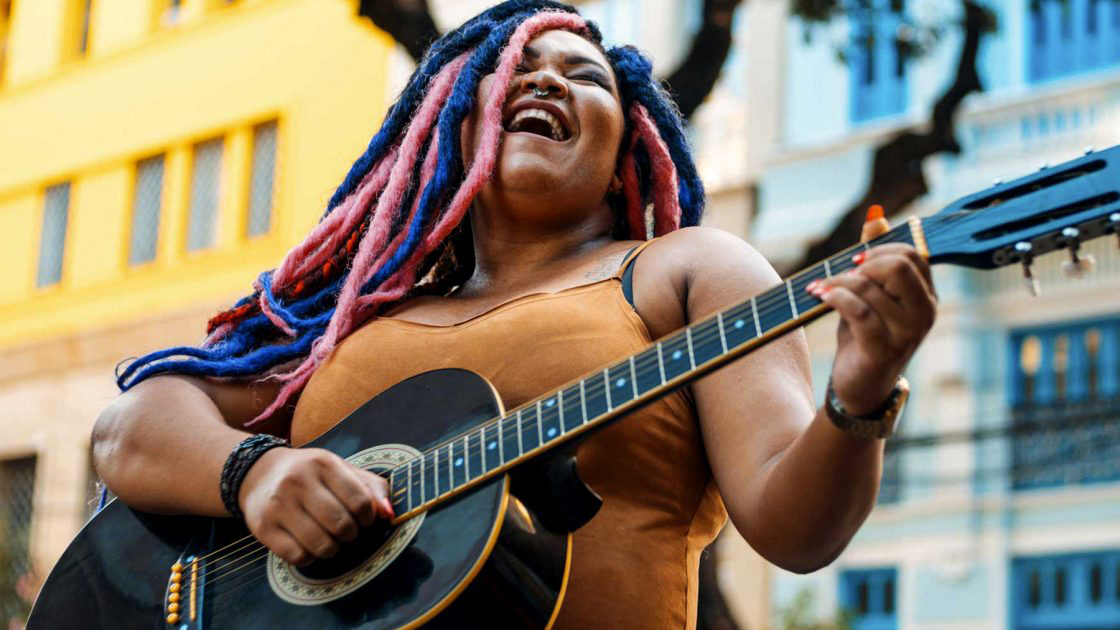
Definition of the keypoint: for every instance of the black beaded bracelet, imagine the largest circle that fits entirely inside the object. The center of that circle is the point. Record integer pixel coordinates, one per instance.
(237, 465)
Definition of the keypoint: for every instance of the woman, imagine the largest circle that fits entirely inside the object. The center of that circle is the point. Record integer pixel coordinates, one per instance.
(496, 207)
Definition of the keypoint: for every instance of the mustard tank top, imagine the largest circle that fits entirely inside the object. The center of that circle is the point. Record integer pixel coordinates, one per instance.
(635, 564)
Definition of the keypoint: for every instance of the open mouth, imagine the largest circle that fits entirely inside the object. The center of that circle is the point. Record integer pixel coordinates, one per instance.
(539, 122)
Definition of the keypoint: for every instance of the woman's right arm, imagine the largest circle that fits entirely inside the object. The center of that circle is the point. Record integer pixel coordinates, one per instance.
(161, 446)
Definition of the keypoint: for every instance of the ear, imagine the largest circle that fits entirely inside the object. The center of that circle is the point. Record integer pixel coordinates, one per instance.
(616, 185)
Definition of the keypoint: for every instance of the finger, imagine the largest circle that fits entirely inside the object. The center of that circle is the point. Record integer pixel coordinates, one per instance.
(862, 320)
(309, 534)
(902, 280)
(352, 492)
(331, 514)
(911, 254)
(379, 488)
(281, 543)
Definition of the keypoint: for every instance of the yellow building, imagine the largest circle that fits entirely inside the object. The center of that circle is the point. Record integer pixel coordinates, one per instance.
(155, 155)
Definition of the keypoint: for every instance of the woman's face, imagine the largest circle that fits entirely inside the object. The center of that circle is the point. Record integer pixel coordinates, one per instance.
(559, 150)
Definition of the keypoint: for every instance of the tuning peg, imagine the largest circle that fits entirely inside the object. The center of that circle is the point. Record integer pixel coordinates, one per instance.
(1077, 265)
(1024, 248)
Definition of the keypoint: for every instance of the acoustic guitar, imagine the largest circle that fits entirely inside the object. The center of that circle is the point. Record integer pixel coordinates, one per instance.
(486, 497)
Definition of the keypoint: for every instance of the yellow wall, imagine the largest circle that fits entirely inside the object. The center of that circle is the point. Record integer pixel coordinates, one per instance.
(146, 87)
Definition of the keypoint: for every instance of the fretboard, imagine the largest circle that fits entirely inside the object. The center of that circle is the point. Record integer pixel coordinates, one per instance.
(495, 446)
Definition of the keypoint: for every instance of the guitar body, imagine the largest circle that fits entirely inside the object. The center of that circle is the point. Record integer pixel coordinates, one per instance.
(480, 560)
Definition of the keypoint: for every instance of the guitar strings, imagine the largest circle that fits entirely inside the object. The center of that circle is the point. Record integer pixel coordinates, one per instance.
(771, 297)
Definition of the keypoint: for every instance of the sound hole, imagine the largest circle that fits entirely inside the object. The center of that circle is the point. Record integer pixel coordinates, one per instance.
(350, 555)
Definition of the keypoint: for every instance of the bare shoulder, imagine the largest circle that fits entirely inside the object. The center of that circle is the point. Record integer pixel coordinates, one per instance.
(700, 255)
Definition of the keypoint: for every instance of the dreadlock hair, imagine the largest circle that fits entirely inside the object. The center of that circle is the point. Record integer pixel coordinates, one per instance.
(395, 224)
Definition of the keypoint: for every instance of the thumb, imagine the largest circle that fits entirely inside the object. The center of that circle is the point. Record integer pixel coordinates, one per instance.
(875, 225)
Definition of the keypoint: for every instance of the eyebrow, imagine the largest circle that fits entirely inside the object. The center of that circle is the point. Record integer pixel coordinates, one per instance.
(570, 60)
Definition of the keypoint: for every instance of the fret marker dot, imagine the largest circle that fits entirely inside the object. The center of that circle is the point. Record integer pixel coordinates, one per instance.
(459, 462)
(739, 323)
(552, 432)
(492, 445)
(677, 354)
(550, 402)
(620, 382)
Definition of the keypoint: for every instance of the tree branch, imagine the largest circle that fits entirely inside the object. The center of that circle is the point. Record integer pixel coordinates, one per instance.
(407, 21)
(697, 74)
(897, 178)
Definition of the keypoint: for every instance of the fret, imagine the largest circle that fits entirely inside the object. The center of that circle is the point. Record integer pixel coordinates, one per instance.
(520, 441)
(827, 268)
(540, 424)
(722, 335)
(531, 435)
(583, 401)
(501, 444)
(423, 493)
(688, 342)
(476, 464)
(607, 389)
(677, 359)
(429, 480)
(792, 302)
(777, 311)
(647, 368)
(461, 465)
(510, 449)
(754, 311)
(450, 463)
(491, 440)
(620, 378)
(570, 409)
(595, 398)
(660, 363)
(435, 473)
(738, 328)
(633, 376)
(804, 300)
(413, 483)
(560, 410)
(395, 490)
(707, 341)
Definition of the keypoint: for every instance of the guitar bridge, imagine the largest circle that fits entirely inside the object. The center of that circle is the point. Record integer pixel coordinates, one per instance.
(184, 591)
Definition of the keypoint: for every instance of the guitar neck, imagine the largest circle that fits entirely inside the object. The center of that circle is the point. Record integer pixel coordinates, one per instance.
(540, 425)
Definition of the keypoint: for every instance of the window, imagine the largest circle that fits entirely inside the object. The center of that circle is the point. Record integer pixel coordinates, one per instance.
(146, 203)
(202, 222)
(1068, 37)
(5, 24)
(1079, 591)
(877, 60)
(869, 596)
(169, 12)
(1065, 403)
(17, 486)
(52, 239)
(261, 179)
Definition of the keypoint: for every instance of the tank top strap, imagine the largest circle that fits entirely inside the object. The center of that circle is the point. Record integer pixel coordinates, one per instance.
(630, 257)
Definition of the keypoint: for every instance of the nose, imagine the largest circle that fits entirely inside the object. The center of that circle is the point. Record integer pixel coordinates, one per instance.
(544, 81)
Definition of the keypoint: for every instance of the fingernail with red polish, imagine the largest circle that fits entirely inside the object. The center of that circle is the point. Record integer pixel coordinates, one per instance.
(388, 508)
(812, 286)
(859, 258)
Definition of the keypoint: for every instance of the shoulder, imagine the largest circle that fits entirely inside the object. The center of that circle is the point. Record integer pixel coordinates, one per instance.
(689, 274)
(701, 255)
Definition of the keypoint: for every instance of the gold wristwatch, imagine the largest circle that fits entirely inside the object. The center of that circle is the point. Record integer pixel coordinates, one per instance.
(879, 424)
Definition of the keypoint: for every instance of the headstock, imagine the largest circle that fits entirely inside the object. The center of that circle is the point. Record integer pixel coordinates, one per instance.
(1058, 207)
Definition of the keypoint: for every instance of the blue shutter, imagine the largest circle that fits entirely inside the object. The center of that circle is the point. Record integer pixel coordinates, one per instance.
(1066, 592)
(870, 596)
(1067, 37)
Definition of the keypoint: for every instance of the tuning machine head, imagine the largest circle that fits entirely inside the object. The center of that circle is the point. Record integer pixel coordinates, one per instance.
(1026, 256)
(1078, 264)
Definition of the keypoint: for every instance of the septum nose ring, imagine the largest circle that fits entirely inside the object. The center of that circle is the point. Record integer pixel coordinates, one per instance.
(539, 93)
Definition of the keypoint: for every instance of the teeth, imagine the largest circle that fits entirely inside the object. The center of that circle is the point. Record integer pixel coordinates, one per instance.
(557, 128)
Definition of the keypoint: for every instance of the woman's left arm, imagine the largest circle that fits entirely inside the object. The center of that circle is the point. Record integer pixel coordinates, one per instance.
(796, 486)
